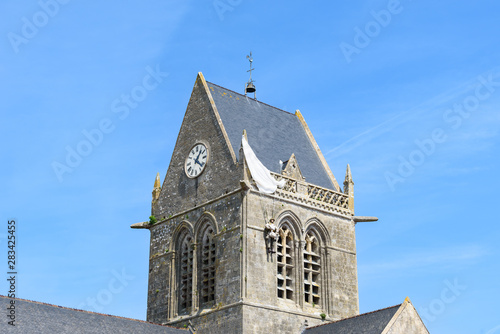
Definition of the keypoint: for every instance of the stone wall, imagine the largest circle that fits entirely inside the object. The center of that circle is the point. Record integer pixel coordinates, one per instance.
(339, 290)
(246, 272)
(258, 320)
(162, 286)
(222, 173)
(219, 321)
(408, 321)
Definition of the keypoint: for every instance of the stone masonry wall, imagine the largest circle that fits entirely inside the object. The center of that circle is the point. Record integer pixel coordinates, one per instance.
(221, 174)
(159, 291)
(225, 320)
(408, 321)
(258, 320)
(339, 290)
(162, 287)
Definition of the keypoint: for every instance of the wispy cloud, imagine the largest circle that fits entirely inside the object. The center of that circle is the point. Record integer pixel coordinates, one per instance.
(441, 101)
(424, 260)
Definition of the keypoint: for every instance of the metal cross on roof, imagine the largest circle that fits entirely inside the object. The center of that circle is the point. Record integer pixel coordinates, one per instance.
(249, 87)
(250, 59)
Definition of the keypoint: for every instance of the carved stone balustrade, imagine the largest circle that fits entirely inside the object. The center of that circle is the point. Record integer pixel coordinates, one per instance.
(313, 195)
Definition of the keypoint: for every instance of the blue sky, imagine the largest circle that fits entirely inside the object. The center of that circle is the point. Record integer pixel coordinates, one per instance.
(406, 92)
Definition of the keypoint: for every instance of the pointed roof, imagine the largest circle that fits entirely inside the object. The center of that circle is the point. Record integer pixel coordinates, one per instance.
(367, 323)
(273, 134)
(40, 318)
(402, 318)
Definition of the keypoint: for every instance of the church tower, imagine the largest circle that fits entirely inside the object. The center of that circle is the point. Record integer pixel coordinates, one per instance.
(227, 253)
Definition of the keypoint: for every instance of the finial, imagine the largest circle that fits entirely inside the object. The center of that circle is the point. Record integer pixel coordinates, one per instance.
(348, 175)
(242, 154)
(349, 188)
(250, 87)
(156, 188)
(157, 181)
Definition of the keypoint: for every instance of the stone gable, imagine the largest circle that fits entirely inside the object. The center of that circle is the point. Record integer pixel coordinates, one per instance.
(201, 124)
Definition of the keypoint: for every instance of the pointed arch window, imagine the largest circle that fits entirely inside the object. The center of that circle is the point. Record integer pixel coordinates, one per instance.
(312, 268)
(185, 272)
(285, 263)
(206, 267)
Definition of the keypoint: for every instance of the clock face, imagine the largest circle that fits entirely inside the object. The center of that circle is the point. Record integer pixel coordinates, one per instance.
(196, 160)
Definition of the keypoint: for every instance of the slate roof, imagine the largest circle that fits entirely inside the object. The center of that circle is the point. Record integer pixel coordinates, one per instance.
(41, 318)
(367, 323)
(272, 133)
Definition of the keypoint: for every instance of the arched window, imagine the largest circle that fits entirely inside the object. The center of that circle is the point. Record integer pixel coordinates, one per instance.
(312, 268)
(285, 262)
(206, 267)
(185, 272)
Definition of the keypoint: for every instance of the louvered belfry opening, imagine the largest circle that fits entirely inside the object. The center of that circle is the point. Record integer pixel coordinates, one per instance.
(312, 269)
(207, 266)
(186, 273)
(285, 263)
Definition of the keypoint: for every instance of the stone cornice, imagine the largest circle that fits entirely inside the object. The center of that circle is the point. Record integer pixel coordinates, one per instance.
(246, 303)
(182, 213)
(290, 199)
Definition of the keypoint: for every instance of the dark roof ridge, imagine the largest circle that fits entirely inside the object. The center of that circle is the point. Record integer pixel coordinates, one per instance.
(208, 82)
(90, 312)
(355, 316)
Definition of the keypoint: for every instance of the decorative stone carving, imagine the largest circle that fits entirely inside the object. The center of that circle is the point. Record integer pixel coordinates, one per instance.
(291, 169)
(156, 189)
(313, 195)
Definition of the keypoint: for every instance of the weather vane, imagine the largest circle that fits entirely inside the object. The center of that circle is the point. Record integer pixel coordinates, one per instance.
(249, 87)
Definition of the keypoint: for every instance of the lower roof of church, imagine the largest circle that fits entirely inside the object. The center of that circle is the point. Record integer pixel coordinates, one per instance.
(39, 318)
(366, 323)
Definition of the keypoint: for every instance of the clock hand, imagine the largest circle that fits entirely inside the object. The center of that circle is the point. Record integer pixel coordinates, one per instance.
(196, 161)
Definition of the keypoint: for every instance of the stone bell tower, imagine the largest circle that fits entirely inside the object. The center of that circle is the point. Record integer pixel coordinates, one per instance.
(213, 262)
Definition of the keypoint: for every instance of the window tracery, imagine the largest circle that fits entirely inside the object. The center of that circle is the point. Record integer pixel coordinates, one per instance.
(312, 268)
(185, 272)
(285, 263)
(207, 266)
